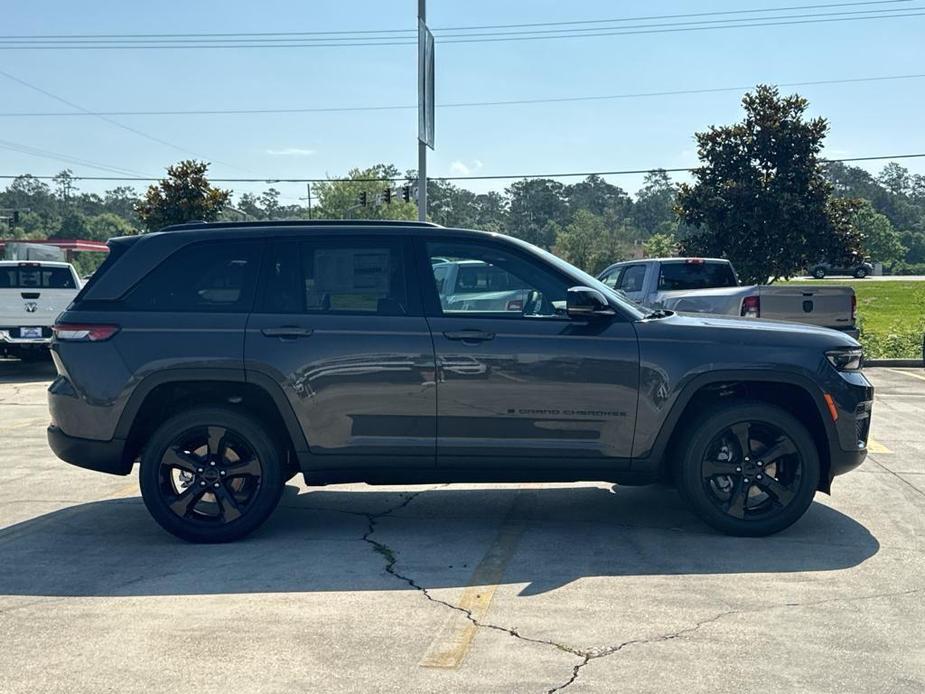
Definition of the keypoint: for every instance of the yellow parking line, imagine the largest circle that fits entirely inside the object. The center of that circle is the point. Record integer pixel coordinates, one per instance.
(908, 373)
(874, 446)
(452, 643)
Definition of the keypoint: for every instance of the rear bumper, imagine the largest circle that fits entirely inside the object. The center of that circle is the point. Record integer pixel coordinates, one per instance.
(102, 456)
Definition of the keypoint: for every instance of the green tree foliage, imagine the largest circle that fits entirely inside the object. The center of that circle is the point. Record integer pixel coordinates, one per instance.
(103, 227)
(653, 212)
(592, 242)
(760, 197)
(185, 195)
(879, 239)
(537, 208)
(661, 246)
(339, 198)
(597, 196)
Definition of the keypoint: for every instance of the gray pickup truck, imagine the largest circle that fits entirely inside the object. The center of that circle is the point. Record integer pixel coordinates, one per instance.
(710, 285)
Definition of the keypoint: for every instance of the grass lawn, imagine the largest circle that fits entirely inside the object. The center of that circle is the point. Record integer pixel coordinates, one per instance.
(891, 315)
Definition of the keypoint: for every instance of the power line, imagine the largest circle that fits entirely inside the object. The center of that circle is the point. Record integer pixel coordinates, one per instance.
(47, 154)
(412, 31)
(350, 41)
(571, 174)
(461, 104)
(106, 119)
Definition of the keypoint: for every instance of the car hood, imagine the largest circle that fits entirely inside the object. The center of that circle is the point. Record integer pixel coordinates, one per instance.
(752, 330)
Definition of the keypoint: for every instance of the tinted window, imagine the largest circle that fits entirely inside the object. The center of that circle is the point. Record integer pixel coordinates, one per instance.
(342, 276)
(632, 278)
(36, 277)
(678, 276)
(485, 279)
(215, 276)
(612, 278)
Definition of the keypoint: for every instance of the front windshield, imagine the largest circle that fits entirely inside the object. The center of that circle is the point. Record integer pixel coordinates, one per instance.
(631, 308)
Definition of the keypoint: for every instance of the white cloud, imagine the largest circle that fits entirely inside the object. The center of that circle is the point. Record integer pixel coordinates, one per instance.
(460, 168)
(291, 152)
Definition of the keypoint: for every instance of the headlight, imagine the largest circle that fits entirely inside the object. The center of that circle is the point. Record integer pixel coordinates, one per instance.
(851, 359)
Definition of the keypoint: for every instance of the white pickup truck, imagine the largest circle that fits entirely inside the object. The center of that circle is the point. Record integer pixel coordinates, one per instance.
(710, 285)
(32, 294)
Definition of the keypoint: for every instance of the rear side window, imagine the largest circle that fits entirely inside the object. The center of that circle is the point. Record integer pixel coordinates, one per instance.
(32, 276)
(336, 276)
(213, 276)
(695, 275)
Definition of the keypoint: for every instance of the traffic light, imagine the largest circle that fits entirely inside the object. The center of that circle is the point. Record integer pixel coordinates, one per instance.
(406, 193)
(361, 198)
(387, 196)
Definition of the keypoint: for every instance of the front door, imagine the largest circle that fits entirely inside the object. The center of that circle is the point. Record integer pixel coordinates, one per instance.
(519, 384)
(339, 326)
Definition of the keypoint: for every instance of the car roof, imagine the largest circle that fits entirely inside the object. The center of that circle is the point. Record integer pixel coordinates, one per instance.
(33, 263)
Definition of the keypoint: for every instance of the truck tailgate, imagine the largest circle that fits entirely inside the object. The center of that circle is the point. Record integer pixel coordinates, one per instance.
(827, 307)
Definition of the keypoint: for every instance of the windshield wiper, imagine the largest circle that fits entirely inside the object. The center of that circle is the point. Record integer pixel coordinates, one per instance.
(658, 313)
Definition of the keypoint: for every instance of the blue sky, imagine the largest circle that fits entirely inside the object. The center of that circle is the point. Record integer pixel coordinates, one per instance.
(867, 118)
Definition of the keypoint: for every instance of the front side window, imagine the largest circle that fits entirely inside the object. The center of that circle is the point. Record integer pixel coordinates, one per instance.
(612, 278)
(479, 278)
(336, 276)
(212, 276)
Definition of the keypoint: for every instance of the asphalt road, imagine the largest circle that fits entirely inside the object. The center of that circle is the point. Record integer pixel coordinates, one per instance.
(508, 588)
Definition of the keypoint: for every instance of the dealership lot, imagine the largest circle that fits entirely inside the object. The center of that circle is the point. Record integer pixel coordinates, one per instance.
(514, 588)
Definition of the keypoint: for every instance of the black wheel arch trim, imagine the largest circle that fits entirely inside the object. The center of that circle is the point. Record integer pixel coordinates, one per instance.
(696, 383)
(218, 375)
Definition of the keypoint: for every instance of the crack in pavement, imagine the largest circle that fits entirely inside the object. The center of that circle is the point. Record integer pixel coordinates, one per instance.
(589, 655)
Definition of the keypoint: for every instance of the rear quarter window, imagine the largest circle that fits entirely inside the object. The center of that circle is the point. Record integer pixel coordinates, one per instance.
(205, 277)
(682, 276)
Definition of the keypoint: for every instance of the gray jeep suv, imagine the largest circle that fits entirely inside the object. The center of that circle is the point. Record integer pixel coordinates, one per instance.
(227, 358)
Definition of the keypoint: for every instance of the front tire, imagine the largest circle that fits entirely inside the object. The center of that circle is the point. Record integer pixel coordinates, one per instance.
(819, 273)
(860, 273)
(211, 475)
(748, 469)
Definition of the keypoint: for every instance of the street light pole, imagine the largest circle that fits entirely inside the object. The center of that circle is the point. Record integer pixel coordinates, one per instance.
(422, 147)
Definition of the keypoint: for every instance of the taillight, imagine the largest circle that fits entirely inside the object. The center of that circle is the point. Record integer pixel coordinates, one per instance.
(854, 306)
(751, 306)
(84, 332)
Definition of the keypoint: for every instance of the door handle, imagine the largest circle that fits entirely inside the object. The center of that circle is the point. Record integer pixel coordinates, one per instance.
(287, 331)
(469, 335)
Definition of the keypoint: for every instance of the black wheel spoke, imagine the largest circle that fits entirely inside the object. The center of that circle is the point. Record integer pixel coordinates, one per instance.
(179, 458)
(184, 503)
(217, 442)
(249, 467)
(736, 506)
(718, 467)
(230, 508)
(783, 446)
(742, 432)
(781, 493)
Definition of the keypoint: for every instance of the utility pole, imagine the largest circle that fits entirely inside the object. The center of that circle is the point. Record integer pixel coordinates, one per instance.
(308, 198)
(422, 146)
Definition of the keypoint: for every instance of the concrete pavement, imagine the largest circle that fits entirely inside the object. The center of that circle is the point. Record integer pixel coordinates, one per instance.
(512, 588)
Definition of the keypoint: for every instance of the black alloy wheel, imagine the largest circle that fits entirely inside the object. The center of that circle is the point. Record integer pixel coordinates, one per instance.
(211, 475)
(748, 468)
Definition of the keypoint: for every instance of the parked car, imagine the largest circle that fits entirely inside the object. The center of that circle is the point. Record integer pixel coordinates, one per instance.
(474, 284)
(710, 285)
(226, 358)
(859, 270)
(32, 294)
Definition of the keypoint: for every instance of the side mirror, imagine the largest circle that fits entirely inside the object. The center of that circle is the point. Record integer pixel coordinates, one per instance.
(585, 302)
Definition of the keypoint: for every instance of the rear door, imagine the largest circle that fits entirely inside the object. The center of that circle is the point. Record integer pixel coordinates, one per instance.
(632, 282)
(339, 326)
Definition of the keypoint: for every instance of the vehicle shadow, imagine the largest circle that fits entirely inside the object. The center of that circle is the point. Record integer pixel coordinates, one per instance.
(315, 542)
(16, 371)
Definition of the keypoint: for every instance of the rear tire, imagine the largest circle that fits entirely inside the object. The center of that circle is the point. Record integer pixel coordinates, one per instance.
(819, 273)
(211, 475)
(860, 273)
(748, 468)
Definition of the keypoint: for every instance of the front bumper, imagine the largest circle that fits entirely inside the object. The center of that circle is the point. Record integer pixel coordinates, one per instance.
(102, 456)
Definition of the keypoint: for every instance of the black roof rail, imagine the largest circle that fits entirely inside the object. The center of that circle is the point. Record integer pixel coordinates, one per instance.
(185, 226)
